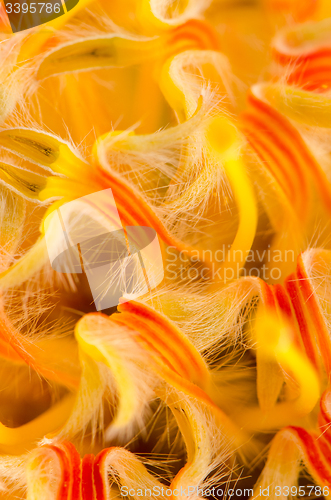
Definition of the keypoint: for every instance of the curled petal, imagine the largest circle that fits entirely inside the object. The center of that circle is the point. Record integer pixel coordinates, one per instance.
(95, 53)
(282, 467)
(88, 401)
(58, 471)
(222, 141)
(174, 348)
(284, 150)
(115, 50)
(300, 105)
(191, 378)
(201, 445)
(54, 472)
(100, 339)
(294, 444)
(153, 15)
(17, 440)
(181, 87)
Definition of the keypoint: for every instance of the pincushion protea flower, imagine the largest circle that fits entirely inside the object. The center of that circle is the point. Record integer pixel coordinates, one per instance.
(209, 121)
